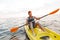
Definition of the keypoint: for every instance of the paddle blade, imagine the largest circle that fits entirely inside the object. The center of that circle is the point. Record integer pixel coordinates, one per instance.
(53, 12)
(14, 29)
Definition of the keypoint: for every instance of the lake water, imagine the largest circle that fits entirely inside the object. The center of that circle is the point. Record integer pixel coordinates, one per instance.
(6, 24)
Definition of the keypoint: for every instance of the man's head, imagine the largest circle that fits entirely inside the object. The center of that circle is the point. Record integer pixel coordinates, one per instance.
(30, 13)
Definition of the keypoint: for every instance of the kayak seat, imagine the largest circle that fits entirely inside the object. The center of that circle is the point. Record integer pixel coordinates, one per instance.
(44, 37)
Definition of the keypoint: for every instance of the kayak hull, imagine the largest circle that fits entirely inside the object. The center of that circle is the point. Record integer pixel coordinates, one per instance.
(40, 35)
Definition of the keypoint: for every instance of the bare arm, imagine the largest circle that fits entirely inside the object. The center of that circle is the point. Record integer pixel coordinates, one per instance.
(37, 18)
(26, 22)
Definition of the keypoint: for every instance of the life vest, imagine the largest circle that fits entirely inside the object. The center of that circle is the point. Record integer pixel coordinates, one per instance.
(31, 20)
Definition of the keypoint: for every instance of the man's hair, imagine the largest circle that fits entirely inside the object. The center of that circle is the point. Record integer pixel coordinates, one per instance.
(29, 11)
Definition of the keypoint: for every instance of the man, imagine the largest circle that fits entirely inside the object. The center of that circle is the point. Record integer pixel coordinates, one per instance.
(31, 19)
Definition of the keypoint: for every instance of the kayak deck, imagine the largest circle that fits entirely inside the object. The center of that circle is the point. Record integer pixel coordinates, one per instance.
(40, 35)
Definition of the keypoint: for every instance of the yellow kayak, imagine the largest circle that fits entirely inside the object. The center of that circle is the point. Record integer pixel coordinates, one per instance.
(40, 35)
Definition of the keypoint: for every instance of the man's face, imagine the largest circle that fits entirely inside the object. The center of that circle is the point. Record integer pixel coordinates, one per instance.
(30, 14)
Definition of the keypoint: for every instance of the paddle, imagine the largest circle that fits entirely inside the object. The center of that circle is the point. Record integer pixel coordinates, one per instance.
(14, 29)
(53, 12)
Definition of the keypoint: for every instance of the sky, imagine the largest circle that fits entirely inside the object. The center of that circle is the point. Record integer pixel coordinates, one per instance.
(20, 8)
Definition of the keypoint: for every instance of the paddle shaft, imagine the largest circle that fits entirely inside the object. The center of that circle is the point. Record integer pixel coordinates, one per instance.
(44, 16)
(22, 25)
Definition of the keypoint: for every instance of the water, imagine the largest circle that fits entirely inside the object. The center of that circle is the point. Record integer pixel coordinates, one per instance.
(5, 34)
(6, 24)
